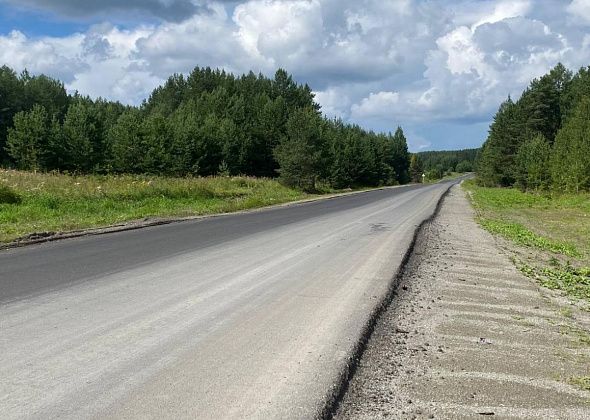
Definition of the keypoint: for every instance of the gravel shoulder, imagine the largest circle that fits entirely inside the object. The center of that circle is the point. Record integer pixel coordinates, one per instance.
(468, 336)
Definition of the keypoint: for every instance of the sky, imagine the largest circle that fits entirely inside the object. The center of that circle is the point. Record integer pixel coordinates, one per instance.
(438, 68)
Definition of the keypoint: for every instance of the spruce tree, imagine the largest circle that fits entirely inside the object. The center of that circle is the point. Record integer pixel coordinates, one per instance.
(301, 153)
(416, 169)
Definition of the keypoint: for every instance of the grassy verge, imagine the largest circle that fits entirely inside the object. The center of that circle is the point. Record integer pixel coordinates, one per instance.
(553, 229)
(35, 202)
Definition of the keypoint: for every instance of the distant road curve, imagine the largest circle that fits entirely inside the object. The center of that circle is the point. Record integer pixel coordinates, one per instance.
(249, 315)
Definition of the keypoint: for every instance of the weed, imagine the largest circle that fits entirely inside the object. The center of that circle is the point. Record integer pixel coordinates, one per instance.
(575, 282)
(566, 312)
(582, 382)
(522, 236)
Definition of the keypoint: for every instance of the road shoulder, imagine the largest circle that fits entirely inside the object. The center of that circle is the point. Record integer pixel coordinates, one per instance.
(470, 336)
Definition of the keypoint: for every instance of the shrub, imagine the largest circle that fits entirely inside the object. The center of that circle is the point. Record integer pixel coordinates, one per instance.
(8, 195)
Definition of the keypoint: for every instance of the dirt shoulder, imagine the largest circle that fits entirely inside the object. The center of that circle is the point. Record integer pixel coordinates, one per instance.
(468, 336)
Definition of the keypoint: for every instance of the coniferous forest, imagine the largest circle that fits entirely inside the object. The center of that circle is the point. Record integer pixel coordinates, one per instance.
(436, 164)
(207, 123)
(542, 141)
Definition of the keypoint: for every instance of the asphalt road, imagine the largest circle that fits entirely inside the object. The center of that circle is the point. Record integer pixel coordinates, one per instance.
(250, 315)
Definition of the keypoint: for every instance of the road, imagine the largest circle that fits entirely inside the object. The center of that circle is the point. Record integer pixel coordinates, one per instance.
(249, 315)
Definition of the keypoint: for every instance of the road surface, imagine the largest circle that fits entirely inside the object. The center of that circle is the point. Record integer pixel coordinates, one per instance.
(250, 315)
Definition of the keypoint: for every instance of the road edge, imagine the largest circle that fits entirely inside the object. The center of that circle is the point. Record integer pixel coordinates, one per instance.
(43, 237)
(340, 388)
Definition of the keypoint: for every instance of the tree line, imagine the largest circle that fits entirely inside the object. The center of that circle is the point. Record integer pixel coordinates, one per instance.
(542, 141)
(206, 123)
(437, 164)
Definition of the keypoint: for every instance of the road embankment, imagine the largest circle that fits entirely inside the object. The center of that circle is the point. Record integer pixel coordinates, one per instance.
(469, 336)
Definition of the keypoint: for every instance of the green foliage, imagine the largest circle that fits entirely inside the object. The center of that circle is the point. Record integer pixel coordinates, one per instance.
(20, 93)
(570, 163)
(523, 236)
(449, 160)
(543, 139)
(416, 169)
(301, 153)
(532, 163)
(192, 124)
(125, 141)
(435, 173)
(554, 227)
(496, 165)
(58, 202)
(500, 199)
(26, 140)
(8, 195)
(575, 282)
(464, 166)
(399, 158)
(79, 138)
(582, 382)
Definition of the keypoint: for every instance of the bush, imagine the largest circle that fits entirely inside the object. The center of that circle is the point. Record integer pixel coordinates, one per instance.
(8, 195)
(464, 166)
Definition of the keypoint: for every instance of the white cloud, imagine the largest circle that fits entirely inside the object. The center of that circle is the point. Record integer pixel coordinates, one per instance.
(381, 104)
(580, 9)
(55, 56)
(506, 9)
(379, 62)
(276, 29)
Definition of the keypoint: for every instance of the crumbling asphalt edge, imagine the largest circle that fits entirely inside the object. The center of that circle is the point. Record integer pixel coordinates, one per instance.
(340, 388)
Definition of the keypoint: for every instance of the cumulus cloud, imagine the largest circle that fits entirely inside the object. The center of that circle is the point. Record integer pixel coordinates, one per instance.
(381, 104)
(580, 9)
(54, 56)
(376, 62)
(474, 67)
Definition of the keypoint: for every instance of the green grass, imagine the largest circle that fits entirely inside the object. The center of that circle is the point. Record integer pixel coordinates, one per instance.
(522, 236)
(556, 226)
(37, 202)
(559, 223)
(574, 282)
(581, 382)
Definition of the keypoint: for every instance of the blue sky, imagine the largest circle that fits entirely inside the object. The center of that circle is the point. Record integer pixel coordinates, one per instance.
(437, 68)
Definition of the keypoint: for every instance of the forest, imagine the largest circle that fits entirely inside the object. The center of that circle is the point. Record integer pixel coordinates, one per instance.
(206, 123)
(542, 140)
(436, 164)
